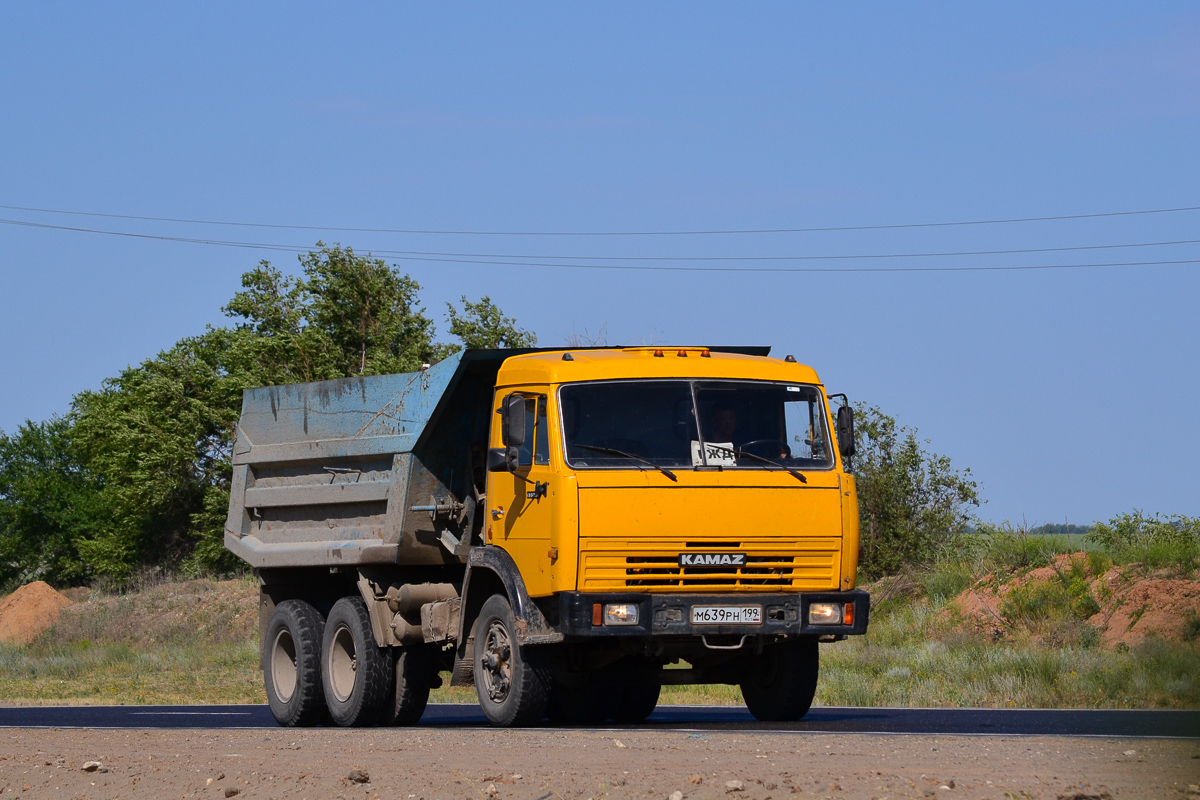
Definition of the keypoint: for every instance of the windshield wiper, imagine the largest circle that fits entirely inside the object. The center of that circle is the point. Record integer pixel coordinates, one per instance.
(740, 453)
(622, 453)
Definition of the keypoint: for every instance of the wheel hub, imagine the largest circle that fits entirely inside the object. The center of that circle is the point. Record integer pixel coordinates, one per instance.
(495, 665)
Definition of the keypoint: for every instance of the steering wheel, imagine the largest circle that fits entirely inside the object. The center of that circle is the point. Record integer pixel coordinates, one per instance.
(780, 447)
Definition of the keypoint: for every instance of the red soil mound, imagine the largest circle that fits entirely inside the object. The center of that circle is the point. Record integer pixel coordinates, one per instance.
(28, 611)
(1151, 607)
(1133, 605)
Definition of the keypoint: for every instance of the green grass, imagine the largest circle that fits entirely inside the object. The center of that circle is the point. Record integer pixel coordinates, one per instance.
(171, 642)
(127, 674)
(916, 657)
(196, 642)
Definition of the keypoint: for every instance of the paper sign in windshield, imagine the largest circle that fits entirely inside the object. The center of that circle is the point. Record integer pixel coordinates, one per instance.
(717, 454)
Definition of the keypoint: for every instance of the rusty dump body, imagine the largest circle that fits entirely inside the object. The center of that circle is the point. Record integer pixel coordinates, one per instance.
(592, 514)
(328, 474)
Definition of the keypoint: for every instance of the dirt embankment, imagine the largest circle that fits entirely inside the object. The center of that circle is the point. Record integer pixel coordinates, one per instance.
(207, 610)
(29, 611)
(1124, 605)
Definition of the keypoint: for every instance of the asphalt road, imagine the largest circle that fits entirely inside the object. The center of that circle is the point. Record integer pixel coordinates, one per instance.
(1008, 722)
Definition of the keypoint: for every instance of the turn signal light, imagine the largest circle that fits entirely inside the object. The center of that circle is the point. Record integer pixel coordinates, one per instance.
(848, 614)
(597, 614)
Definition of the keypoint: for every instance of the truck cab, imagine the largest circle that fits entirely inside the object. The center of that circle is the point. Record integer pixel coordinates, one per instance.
(568, 530)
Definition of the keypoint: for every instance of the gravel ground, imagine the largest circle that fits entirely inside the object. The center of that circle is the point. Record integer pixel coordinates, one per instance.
(583, 765)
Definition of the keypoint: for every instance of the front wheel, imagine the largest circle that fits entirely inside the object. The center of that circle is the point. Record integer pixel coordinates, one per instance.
(779, 684)
(512, 681)
(637, 700)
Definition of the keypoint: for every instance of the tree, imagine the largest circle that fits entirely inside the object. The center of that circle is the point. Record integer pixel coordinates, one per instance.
(158, 436)
(482, 325)
(49, 501)
(366, 309)
(913, 504)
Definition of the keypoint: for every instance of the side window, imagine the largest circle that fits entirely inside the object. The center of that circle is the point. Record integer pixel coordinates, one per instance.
(541, 436)
(805, 437)
(526, 449)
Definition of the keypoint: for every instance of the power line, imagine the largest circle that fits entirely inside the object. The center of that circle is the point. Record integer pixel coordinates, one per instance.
(841, 257)
(630, 267)
(896, 226)
(643, 268)
(414, 254)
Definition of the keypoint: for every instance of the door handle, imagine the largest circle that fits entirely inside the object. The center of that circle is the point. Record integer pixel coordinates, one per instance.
(497, 513)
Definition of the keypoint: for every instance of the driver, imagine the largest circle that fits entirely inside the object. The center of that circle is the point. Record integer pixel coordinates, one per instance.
(724, 423)
(723, 427)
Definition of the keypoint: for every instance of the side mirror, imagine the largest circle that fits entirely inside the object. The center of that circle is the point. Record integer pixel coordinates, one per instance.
(845, 431)
(513, 415)
(503, 459)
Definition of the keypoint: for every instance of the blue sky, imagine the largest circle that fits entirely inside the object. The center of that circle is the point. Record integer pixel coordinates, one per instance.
(1071, 394)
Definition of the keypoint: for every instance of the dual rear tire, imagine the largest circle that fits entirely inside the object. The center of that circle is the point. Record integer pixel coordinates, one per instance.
(328, 668)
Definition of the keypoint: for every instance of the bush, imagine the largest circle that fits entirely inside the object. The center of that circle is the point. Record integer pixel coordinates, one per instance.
(912, 502)
(947, 580)
(1157, 541)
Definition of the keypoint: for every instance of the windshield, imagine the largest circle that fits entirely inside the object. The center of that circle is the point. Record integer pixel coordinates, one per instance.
(690, 424)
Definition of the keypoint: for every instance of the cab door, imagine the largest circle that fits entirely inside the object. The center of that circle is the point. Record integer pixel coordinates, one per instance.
(520, 504)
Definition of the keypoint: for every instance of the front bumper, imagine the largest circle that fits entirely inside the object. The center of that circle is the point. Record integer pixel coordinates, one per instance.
(783, 614)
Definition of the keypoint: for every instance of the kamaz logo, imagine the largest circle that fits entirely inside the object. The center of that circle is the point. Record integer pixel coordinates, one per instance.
(712, 559)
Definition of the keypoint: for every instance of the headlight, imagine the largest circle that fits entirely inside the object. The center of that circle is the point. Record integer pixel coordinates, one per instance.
(621, 614)
(825, 614)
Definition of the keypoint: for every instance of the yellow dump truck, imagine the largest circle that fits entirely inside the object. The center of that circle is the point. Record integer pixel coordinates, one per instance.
(567, 529)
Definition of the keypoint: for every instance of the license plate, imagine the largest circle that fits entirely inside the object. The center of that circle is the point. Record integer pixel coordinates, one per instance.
(726, 615)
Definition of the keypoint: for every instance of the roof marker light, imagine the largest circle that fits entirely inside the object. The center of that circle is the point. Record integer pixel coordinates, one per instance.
(682, 353)
(568, 357)
(658, 354)
(705, 354)
(791, 359)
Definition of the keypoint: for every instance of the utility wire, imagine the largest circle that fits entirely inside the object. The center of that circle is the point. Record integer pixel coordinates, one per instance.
(841, 257)
(643, 268)
(416, 253)
(632, 267)
(615, 233)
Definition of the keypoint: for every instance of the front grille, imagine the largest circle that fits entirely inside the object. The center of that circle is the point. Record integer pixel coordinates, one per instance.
(653, 566)
(665, 571)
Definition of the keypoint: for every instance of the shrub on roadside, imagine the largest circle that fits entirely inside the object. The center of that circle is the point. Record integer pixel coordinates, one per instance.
(1157, 541)
(912, 502)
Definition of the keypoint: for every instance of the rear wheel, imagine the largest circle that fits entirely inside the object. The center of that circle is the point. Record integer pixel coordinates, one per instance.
(414, 672)
(292, 664)
(355, 672)
(512, 681)
(780, 683)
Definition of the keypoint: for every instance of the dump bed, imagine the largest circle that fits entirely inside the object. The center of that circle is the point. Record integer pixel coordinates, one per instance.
(385, 469)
